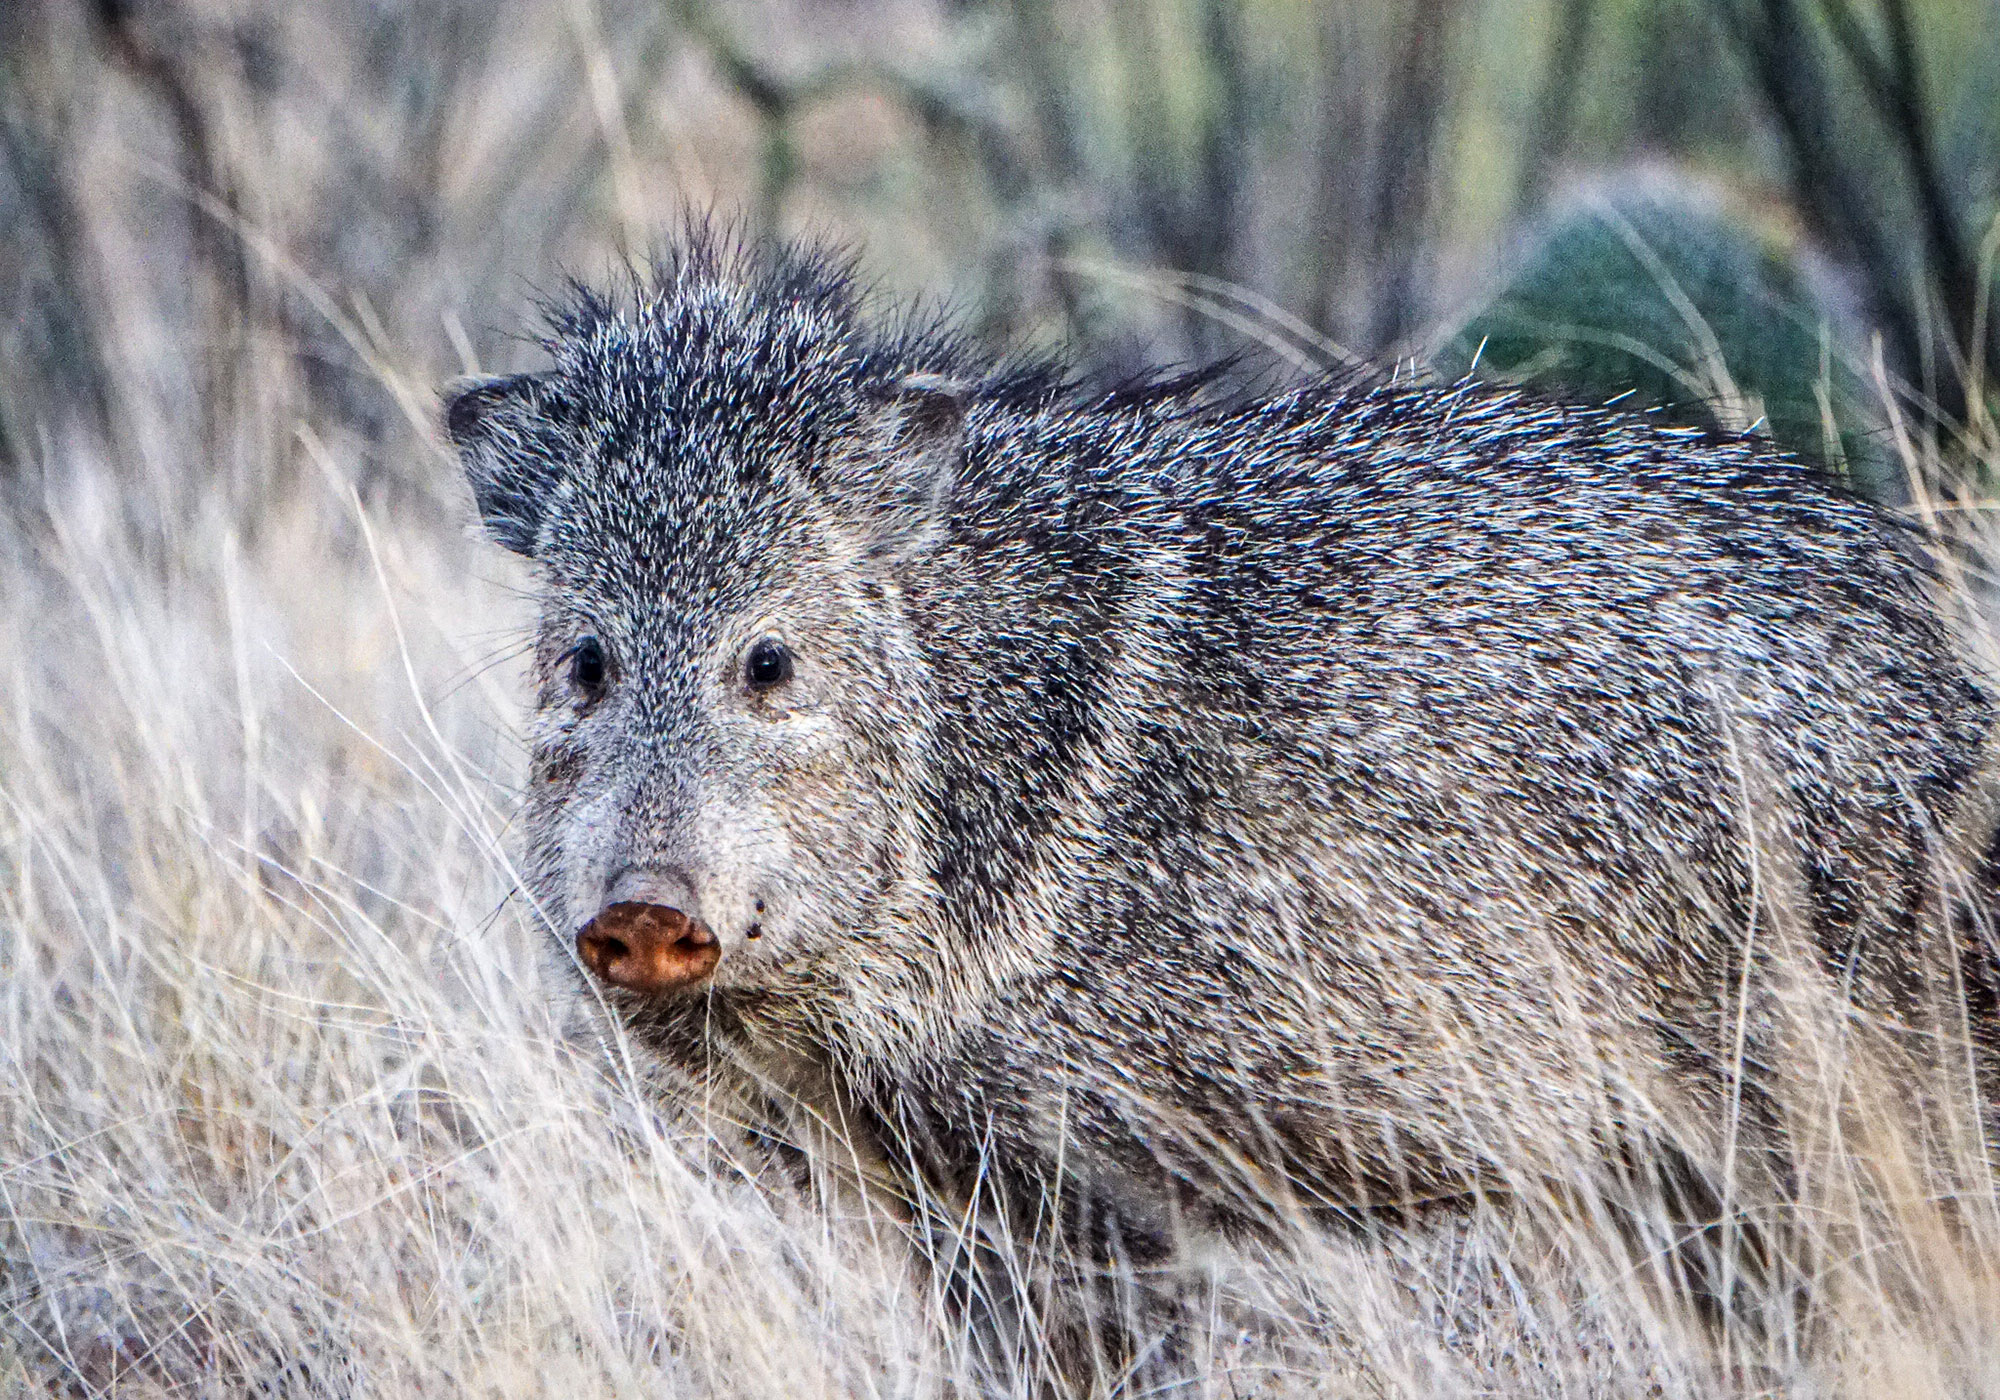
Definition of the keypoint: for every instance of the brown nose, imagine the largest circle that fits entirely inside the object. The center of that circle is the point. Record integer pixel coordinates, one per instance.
(647, 948)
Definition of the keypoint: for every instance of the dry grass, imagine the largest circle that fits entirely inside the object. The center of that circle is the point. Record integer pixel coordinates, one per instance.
(295, 1101)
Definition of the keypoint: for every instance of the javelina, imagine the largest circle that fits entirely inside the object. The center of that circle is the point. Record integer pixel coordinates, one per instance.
(1152, 812)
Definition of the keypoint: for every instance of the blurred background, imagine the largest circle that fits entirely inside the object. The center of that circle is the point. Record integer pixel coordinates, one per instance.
(295, 1097)
(229, 230)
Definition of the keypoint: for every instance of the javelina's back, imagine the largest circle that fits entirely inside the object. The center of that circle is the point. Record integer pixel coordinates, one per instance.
(1385, 776)
(1172, 813)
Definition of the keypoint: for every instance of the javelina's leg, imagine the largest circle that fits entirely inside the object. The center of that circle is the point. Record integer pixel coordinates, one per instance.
(1722, 1254)
(988, 1294)
(1059, 1303)
(1127, 1320)
(1113, 1314)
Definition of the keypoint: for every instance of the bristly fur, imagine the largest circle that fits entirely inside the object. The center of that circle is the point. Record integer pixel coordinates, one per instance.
(1193, 813)
(817, 289)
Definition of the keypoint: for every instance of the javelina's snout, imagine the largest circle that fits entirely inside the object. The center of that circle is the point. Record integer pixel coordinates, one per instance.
(647, 948)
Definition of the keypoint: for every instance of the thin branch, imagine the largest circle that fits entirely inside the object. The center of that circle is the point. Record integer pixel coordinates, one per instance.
(1859, 50)
(1406, 167)
(1951, 256)
(1783, 64)
(1894, 85)
(1555, 109)
(780, 101)
(162, 74)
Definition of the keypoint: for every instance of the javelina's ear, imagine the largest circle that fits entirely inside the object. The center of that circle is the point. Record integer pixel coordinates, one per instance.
(504, 431)
(903, 480)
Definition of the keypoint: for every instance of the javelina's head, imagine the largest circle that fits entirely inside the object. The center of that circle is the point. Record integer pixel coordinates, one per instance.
(724, 482)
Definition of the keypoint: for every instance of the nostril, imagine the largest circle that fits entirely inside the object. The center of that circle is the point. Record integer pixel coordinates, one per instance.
(647, 948)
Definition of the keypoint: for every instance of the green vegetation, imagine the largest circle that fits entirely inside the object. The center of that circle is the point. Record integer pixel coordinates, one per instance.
(1653, 297)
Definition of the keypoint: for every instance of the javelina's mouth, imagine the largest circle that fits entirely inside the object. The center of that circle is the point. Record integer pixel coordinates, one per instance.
(647, 948)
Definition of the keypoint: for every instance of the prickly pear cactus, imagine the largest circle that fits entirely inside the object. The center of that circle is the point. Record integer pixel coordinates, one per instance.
(1662, 293)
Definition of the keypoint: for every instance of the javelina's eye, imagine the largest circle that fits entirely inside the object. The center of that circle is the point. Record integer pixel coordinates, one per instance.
(768, 664)
(587, 667)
